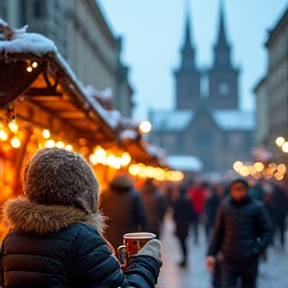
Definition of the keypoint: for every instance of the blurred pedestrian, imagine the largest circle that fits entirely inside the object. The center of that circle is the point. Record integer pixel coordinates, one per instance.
(155, 206)
(55, 237)
(124, 209)
(196, 192)
(277, 204)
(216, 193)
(242, 230)
(183, 215)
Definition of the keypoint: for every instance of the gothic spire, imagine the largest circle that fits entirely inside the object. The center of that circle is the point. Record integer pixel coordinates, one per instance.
(188, 50)
(222, 41)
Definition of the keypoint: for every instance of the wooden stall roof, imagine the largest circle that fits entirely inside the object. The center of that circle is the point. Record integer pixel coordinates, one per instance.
(38, 84)
(42, 89)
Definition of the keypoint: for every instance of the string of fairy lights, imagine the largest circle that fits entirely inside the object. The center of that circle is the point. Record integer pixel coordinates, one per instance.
(11, 135)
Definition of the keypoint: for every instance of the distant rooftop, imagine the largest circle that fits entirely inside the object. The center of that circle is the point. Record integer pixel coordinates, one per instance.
(179, 120)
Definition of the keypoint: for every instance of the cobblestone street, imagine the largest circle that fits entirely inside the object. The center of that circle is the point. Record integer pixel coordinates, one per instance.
(272, 273)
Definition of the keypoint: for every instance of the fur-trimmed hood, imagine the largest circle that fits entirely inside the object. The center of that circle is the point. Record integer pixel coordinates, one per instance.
(29, 217)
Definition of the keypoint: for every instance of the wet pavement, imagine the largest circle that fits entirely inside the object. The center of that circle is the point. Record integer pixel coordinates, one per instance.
(272, 274)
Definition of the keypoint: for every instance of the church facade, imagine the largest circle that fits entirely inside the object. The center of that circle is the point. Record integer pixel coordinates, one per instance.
(206, 123)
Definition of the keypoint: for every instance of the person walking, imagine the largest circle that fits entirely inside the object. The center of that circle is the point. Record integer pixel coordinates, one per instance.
(182, 215)
(155, 206)
(196, 192)
(242, 230)
(277, 206)
(55, 237)
(123, 207)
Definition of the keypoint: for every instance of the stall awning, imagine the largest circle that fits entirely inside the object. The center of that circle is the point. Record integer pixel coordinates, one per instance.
(39, 86)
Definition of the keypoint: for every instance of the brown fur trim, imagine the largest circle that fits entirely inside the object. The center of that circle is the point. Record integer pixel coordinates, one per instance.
(28, 217)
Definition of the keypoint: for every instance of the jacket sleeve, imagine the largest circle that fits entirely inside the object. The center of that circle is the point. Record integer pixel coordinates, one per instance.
(96, 265)
(218, 233)
(264, 229)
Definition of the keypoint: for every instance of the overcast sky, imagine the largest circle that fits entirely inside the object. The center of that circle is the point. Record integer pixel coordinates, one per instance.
(153, 33)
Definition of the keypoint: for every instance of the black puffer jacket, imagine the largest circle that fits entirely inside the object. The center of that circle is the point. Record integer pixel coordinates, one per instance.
(74, 256)
(242, 229)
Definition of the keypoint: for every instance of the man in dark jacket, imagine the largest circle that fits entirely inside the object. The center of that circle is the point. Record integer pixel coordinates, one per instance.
(242, 231)
(55, 238)
(123, 207)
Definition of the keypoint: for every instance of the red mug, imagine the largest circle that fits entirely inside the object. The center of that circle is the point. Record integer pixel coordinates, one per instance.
(133, 242)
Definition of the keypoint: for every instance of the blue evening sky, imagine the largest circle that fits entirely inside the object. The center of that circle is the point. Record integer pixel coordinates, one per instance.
(153, 33)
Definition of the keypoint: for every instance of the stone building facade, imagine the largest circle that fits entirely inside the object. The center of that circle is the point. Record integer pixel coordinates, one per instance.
(271, 91)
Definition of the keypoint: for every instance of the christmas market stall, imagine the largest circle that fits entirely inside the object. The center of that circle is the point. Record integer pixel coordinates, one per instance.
(43, 104)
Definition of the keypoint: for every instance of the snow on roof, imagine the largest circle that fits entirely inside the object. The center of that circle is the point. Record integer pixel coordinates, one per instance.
(171, 120)
(234, 120)
(184, 163)
(155, 151)
(128, 134)
(22, 42)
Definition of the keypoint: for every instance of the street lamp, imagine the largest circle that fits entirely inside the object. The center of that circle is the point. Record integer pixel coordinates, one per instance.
(144, 127)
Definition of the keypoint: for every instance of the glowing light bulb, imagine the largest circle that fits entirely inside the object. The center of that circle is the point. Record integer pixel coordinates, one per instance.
(69, 147)
(34, 64)
(60, 144)
(145, 126)
(280, 141)
(46, 133)
(125, 159)
(13, 127)
(50, 144)
(3, 135)
(29, 69)
(15, 142)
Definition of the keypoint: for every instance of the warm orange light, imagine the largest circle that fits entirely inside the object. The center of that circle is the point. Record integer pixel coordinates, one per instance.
(15, 142)
(278, 175)
(145, 127)
(244, 171)
(60, 144)
(280, 141)
(285, 147)
(50, 144)
(46, 133)
(237, 166)
(13, 127)
(125, 159)
(3, 135)
(281, 168)
(259, 166)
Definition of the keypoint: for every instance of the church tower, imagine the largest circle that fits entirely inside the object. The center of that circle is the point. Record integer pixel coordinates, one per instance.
(187, 76)
(223, 78)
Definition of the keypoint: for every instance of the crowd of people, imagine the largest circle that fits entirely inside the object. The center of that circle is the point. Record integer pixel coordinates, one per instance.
(65, 232)
(241, 219)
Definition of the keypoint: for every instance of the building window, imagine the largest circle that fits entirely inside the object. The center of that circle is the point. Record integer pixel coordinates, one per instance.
(23, 13)
(3, 10)
(38, 9)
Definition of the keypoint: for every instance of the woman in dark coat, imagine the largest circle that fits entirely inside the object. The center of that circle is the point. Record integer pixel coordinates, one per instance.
(183, 215)
(55, 237)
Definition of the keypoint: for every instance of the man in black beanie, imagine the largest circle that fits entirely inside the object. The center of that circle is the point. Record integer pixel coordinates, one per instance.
(242, 231)
(56, 239)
